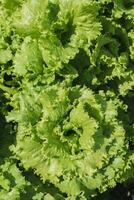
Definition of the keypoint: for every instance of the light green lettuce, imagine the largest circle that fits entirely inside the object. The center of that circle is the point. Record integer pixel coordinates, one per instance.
(66, 97)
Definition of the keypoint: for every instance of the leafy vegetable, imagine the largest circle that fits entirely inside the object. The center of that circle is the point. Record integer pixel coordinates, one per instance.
(66, 93)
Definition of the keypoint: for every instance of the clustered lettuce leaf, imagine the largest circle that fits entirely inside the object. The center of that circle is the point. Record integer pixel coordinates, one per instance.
(66, 94)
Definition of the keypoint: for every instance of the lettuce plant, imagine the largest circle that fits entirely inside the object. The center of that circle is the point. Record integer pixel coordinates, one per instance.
(67, 79)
